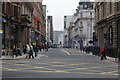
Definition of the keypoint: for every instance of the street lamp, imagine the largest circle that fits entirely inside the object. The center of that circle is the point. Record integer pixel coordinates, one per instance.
(1, 31)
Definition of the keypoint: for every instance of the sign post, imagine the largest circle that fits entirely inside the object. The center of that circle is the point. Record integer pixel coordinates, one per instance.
(1, 38)
(1, 31)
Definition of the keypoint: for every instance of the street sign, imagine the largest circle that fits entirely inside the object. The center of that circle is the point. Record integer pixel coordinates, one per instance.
(34, 43)
(1, 31)
(31, 37)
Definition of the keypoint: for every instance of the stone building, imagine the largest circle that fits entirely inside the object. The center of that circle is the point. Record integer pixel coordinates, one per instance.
(26, 20)
(58, 38)
(107, 21)
(67, 20)
(10, 23)
(49, 30)
(107, 25)
(38, 25)
(79, 31)
(22, 23)
(84, 23)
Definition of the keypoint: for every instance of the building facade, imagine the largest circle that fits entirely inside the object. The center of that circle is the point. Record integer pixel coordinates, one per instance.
(84, 23)
(38, 24)
(22, 23)
(49, 30)
(26, 20)
(58, 38)
(67, 20)
(107, 22)
(79, 31)
(10, 24)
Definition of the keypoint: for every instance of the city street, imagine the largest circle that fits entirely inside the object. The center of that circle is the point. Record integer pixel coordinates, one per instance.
(63, 39)
(60, 63)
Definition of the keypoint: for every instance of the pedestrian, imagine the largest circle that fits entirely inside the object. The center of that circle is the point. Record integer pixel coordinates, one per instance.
(102, 53)
(27, 50)
(31, 53)
(14, 52)
(87, 49)
(35, 50)
(40, 47)
(19, 52)
(46, 47)
(43, 47)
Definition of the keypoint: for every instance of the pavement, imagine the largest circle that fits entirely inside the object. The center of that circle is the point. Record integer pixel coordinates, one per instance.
(78, 52)
(8, 57)
(69, 52)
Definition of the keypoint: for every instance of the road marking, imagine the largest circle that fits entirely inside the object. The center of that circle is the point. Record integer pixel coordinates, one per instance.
(109, 72)
(19, 64)
(60, 71)
(79, 64)
(68, 53)
(74, 64)
(11, 69)
(56, 62)
(104, 66)
(67, 68)
(60, 65)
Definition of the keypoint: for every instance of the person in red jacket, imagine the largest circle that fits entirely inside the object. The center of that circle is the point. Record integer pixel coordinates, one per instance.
(102, 53)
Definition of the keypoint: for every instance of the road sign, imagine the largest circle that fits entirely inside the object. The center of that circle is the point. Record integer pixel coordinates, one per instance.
(31, 37)
(34, 43)
(1, 31)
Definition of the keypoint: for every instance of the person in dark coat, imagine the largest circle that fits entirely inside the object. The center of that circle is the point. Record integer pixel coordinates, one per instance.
(19, 52)
(25, 50)
(14, 52)
(31, 52)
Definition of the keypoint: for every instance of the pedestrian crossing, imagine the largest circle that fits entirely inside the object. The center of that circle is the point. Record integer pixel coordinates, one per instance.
(61, 67)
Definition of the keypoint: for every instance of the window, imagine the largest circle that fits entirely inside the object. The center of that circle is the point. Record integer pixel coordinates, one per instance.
(98, 14)
(81, 23)
(85, 6)
(15, 11)
(81, 15)
(110, 35)
(102, 11)
(118, 33)
(91, 15)
(81, 7)
(110, 3)
(118, 6)
(3, 7)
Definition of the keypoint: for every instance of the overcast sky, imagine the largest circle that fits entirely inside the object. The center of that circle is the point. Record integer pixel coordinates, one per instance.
(59, 8)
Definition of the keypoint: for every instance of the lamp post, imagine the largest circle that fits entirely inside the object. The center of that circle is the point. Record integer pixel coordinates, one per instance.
(1, 31)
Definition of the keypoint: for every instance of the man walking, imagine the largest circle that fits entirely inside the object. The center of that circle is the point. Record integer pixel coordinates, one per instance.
(31, 53)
